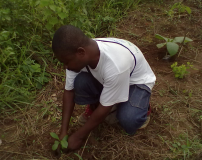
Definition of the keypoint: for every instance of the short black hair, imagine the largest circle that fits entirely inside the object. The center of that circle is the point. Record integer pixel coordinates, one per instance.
(67, 39)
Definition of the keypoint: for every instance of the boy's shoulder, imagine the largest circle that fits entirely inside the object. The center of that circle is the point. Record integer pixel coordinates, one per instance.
(114, 40)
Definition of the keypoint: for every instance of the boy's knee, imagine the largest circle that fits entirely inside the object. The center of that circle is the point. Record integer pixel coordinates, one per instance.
(131, 124)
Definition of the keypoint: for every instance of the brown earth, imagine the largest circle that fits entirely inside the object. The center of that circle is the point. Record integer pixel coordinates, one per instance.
(176, 104)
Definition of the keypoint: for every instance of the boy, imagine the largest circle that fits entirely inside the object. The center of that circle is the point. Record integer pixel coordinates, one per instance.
(100, 73)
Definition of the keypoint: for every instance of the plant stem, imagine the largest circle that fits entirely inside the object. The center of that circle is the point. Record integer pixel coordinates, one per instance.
(182, 43)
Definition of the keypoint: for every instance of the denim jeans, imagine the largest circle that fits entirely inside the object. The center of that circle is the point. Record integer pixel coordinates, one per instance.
(130, 114)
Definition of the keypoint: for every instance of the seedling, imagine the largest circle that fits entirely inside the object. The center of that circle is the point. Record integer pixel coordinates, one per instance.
(171, 44)
(181, 9)
(181, 71)
(63, 142)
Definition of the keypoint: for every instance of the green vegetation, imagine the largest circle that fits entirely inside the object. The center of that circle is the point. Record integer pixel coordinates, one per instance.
(180, 7)
(181, 71)
(63, 142)
(171, 44)
(26, 31)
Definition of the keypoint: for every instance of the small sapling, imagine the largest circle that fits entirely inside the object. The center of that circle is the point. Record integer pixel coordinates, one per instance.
(63, 142)
(171, 44)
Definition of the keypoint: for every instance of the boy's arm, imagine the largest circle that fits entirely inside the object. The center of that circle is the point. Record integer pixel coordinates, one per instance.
(76, 139)
(68, 106)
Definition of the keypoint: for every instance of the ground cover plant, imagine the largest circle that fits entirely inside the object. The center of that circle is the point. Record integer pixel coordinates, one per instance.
(181, 71)
(32, 80)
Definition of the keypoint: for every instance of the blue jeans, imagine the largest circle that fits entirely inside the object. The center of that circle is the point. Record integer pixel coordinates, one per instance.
(130, 114)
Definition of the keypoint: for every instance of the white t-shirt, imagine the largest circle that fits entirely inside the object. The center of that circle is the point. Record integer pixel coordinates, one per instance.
(113, 70)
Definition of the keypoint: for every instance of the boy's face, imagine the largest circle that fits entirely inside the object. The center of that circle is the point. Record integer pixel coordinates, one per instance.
(74, 62)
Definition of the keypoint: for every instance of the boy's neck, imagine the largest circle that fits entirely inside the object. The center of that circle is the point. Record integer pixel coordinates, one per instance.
(94, 54)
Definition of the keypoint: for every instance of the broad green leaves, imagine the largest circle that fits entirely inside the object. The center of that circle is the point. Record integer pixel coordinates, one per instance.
(52, 7)
(62, 142)
(171, 44)
(53, 13)
(180, 39)
(4, 35)
(160, 45)
(54, 135)
(44, 3)
(161, 37)
(188, 10)
(55, 145)
(53, 20)
(62, 15)
(65, 138)
(172, 48)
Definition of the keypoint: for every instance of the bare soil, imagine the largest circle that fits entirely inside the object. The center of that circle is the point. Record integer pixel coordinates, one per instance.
(176, 103)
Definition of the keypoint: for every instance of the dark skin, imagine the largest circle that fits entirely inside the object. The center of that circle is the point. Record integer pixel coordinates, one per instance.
(84, 56)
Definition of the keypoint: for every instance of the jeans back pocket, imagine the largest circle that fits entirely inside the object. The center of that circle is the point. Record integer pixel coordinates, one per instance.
(140, 96)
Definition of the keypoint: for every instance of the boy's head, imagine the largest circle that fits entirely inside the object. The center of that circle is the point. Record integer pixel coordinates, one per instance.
(69, 46)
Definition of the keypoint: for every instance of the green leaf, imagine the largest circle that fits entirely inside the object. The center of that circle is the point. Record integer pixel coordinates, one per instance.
(188, 10)
(55, 145)
(47, 12)
(64, 143)
(49, 26)
(184, 146)
(180, 40)
(187, 40)
(172, 48)
(38, 85)
(78, 156)
(54, 135)
(65, 138)
(62, 15)
(7, 18)
(160, 45)
(44, 3)
(53, 20)
(84, 10)
(52, 7)
(35, 68)
(5, 11)
(37, 3)
(161, 37)
(4, 35)
(174, 145)
(58, 9)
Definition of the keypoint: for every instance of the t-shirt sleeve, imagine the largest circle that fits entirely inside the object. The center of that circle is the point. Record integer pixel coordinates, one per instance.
(115, 89)
(70, 76)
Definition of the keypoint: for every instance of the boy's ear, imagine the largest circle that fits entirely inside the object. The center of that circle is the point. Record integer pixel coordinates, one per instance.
(81, 51)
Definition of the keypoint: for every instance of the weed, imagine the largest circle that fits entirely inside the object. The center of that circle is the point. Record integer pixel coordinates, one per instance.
(181, 71)
(171, 44)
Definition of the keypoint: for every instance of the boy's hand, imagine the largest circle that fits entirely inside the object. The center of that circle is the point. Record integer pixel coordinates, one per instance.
(75, 142)
(62, 135)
